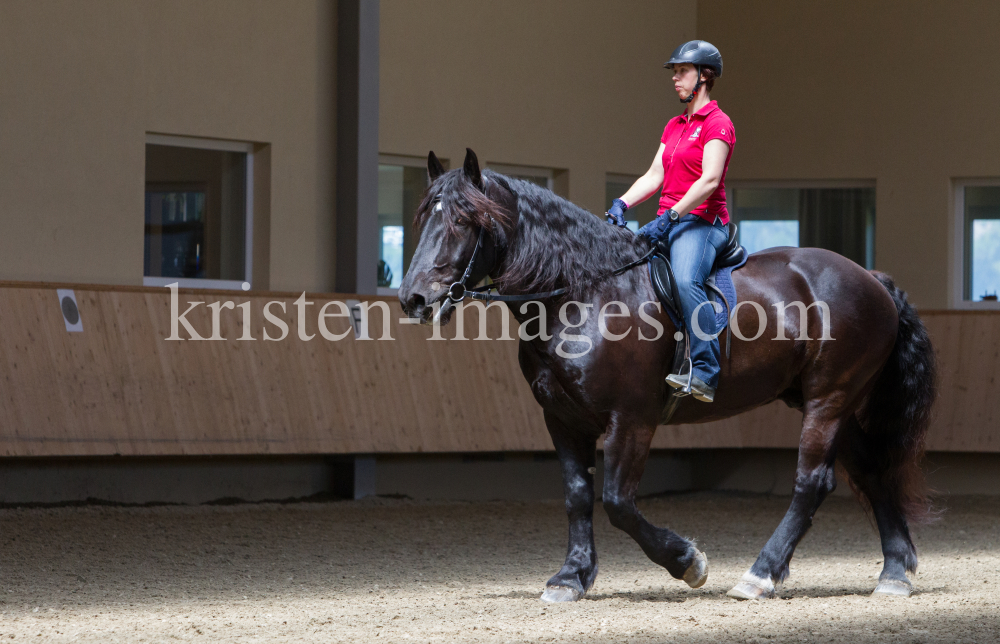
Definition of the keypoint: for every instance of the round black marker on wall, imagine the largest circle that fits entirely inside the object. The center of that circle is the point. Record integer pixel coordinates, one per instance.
(70, 310)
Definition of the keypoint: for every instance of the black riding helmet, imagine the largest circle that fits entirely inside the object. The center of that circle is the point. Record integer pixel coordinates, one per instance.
(700, 54)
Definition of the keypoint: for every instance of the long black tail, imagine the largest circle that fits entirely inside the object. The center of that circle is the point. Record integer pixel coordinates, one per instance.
(896, 414)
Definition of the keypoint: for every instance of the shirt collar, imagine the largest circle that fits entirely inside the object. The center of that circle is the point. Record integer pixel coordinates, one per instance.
(710, 107)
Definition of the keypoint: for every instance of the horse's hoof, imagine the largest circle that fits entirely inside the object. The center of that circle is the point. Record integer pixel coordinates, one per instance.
(893, 588)
(752, 587)
(697, 573)
(555, 594)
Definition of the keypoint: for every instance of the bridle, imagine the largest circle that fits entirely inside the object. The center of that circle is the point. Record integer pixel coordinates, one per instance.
(458, 291)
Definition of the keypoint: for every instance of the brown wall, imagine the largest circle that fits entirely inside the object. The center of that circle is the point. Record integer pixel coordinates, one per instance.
(83, 83)
(575, 86)
(871, 91)
(901, 92)
(876, 92)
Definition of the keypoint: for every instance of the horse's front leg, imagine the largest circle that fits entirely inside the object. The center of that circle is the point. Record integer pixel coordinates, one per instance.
(626, 448)
(576, 454)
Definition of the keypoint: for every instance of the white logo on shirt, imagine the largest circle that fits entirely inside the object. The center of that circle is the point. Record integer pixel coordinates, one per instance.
(695, 134)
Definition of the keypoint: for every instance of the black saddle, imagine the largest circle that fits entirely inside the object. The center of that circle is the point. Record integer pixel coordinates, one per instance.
(666, 290)
(663, 277)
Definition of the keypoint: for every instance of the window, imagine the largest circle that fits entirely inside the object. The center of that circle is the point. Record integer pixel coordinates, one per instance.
(402, 182)
(637, 216)
(841, 219)
(198, 212)
(978, 215)
(766, 217)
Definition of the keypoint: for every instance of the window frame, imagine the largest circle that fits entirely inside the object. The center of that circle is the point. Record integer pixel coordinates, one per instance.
(222, 145)
(957, 263)
(406, 162)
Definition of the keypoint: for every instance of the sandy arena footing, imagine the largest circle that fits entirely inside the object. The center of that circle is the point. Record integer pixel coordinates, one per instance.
(406, 571)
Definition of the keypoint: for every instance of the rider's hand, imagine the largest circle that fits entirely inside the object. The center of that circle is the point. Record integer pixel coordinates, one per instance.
(656, 230)
(616, 214)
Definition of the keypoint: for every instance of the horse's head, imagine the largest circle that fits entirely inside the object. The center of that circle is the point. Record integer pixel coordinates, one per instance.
(461, 207)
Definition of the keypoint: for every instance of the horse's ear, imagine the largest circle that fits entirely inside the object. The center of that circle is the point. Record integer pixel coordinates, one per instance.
(471, 168)
(434, 167)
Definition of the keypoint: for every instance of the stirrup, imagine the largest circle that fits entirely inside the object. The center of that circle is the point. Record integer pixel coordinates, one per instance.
(682, 381)
(685, 387)
(700, 390)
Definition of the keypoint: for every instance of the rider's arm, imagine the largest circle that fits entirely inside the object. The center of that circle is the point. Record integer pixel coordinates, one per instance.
(713, 162)
(648, 184)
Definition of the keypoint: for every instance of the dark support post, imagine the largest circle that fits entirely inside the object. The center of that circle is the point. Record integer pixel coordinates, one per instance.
(357, 146)
(353, 476)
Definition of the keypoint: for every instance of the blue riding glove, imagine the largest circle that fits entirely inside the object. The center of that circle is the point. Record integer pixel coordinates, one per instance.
(616, 214)
(657, 230)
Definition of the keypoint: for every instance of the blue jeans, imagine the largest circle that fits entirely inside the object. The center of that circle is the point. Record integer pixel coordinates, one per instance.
(694, 244)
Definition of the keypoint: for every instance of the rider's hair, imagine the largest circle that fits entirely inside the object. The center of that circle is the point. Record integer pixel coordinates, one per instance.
(709, 74)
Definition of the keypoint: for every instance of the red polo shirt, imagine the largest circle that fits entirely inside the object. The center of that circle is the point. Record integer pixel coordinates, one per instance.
(684, 146)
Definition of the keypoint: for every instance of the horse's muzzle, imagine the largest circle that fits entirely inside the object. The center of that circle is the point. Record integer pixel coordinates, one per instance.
(414, 306)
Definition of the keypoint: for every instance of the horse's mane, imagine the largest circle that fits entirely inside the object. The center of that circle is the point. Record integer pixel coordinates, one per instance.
(558, 244)
(553, 244)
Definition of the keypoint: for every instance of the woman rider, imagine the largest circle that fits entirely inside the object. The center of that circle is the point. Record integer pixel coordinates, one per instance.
(689, 171)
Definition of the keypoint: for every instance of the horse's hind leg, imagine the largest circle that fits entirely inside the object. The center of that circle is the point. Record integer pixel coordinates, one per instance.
(625, 451)
(576, 454)
(814, 480)
(868, 470)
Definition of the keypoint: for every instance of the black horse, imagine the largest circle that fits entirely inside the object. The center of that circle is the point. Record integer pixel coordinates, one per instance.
(864, 382)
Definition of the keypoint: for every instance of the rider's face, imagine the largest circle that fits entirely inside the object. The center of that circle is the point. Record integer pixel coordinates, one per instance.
(685, 78)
